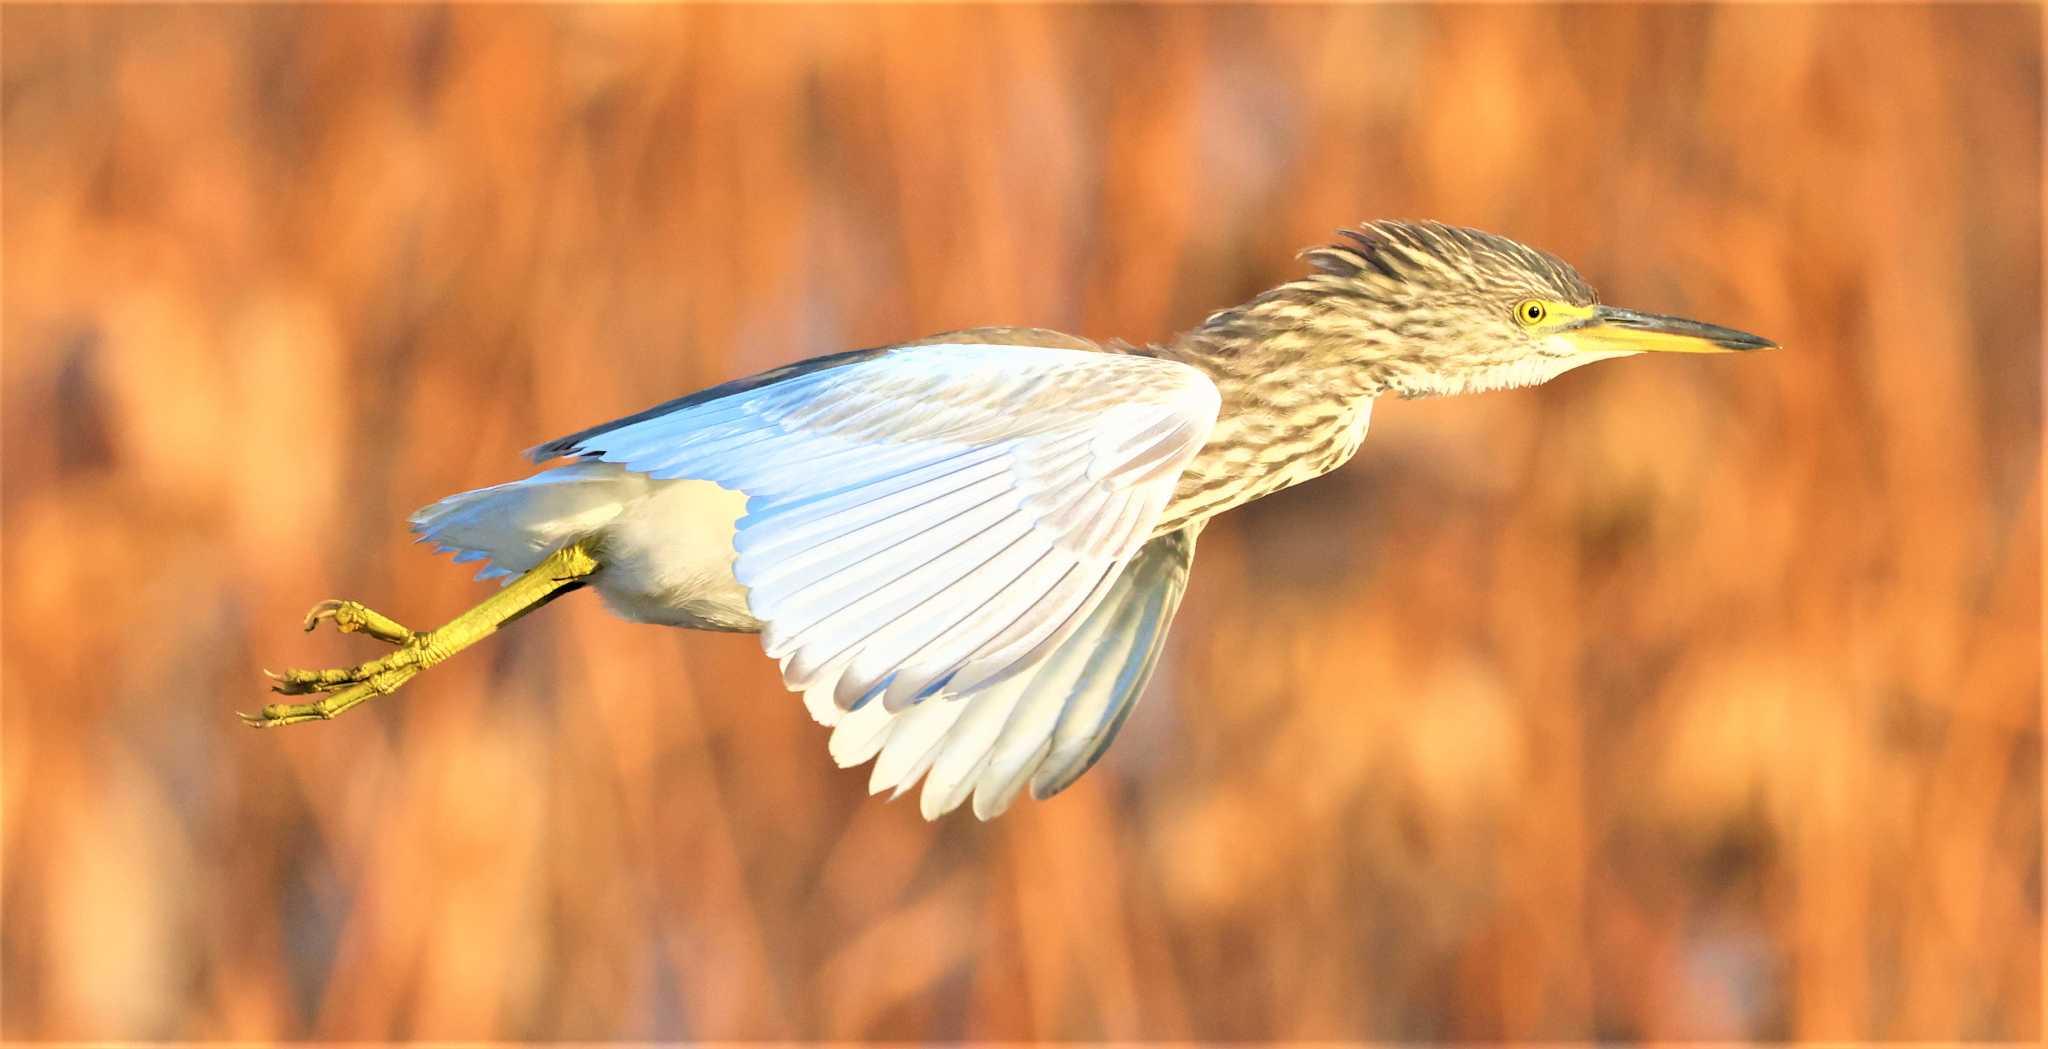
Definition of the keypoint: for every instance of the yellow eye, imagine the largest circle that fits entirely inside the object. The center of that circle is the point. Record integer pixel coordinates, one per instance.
(1531, 312)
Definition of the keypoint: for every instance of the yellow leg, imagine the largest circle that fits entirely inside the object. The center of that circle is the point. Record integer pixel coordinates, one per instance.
(349, 686)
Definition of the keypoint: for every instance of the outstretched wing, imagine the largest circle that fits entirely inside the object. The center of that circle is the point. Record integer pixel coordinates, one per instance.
(1046, 724)
(931, 517)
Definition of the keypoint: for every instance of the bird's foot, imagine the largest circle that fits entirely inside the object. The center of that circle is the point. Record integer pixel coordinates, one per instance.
(347, 686)
(559, 572)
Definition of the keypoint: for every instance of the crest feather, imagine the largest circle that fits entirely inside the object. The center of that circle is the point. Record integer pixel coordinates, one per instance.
(1432, 253)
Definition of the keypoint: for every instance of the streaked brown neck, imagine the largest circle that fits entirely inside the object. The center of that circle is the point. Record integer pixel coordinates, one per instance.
(1294, 404)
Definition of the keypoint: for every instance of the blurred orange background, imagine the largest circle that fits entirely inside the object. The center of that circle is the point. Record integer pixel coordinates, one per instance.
(1679, 698)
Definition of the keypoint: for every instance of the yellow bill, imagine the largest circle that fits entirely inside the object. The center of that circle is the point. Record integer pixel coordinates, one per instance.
(1610, 329)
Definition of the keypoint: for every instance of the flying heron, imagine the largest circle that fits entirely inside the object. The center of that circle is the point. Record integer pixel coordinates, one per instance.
(965, 550)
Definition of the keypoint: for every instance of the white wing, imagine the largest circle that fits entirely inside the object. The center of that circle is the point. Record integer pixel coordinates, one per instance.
(931, 517)
(1044, 725)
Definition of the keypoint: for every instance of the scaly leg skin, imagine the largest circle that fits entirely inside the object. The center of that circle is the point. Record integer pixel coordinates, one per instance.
(348, 686)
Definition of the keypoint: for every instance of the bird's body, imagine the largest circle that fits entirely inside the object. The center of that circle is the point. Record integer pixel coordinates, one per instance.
(666, 544)
(965, 550)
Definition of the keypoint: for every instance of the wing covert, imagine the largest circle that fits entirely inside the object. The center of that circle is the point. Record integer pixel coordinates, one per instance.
(933, 517)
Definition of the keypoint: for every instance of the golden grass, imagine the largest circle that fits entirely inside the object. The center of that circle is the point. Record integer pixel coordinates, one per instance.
(1677, 699)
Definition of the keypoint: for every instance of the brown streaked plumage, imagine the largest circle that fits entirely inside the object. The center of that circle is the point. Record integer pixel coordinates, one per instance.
(965, 550)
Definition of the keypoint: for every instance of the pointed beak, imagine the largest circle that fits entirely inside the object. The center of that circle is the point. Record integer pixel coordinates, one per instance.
(1612, 330)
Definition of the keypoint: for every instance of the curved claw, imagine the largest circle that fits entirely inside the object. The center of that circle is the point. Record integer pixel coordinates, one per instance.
(354, 617)
(327, 609)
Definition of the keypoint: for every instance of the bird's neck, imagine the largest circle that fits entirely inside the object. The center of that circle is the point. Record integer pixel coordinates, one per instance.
(1291, 410)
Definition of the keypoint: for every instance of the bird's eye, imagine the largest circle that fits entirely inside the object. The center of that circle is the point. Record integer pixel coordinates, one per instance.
(1530, 311)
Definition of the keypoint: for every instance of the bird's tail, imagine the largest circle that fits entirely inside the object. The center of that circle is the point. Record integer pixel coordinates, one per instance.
(515, 526)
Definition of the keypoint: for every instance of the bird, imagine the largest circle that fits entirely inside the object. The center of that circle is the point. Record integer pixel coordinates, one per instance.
(965, 550)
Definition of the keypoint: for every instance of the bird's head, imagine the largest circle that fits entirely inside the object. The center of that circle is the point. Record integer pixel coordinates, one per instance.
(1427, 308)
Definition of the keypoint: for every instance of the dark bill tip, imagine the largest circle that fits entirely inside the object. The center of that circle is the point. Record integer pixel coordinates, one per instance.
(1653, 331)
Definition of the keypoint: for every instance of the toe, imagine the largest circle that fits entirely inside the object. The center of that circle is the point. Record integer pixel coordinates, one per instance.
(327, 609)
